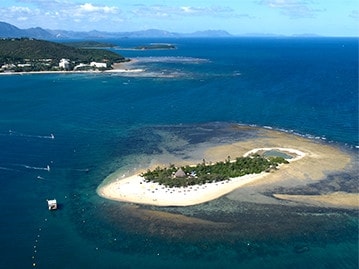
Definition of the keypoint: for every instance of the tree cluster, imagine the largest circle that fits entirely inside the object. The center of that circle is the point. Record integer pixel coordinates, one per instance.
(207, 173)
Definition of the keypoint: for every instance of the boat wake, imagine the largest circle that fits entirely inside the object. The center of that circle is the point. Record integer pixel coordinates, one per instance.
(25, 166)
(18, 134)
(8, 169)
(47, 168)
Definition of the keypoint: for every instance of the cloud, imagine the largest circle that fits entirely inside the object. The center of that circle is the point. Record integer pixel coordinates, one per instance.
(204, 11)
(22, 13)
(18, 12)
(91, 13)
(90, 8)
(46, 4)
(292, 8)
(58, 13)
(161, 11)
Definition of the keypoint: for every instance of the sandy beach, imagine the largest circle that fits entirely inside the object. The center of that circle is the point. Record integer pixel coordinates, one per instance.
(312, 161)
(134, 188)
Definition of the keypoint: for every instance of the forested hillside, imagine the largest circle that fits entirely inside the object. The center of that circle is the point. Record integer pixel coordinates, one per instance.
(15, 50)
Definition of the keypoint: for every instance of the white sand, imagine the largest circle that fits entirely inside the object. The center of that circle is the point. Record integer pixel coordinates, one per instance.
(134, 188)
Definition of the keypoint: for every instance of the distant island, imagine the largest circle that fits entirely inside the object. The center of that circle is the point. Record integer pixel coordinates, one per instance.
(156, 47)
(28, 55)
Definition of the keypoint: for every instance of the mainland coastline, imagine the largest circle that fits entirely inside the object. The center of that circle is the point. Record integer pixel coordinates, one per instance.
(311, 162)
(124, 67)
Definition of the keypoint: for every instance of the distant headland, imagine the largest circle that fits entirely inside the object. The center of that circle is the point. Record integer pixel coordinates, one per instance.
(32, 55)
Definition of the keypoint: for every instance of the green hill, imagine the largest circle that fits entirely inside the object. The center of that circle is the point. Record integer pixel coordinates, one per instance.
(90, 45)
(24, 50)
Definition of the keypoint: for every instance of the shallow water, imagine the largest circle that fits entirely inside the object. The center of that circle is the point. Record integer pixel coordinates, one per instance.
(179, 107)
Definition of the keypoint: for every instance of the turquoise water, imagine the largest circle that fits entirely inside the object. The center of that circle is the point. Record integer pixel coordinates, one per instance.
(185, 97)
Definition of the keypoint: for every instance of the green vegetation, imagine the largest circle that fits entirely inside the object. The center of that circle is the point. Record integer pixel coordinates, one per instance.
(90, 44)
(24, 54)
(204, 173)
(155, 47)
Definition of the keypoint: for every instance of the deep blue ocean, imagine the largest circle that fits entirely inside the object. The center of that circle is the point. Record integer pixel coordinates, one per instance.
(108, 121)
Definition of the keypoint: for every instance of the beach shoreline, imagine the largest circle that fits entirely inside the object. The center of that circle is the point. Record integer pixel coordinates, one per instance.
(117, 68)
(111, 71)
(135, 189)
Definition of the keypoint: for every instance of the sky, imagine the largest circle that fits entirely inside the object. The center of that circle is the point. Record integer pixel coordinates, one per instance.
(238, 17)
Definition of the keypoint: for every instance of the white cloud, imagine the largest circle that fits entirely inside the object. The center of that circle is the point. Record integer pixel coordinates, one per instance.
(18, 13)
(91, 13)
(88, 7)
(47, 4)
(18, 10)
(168, 11)
(292, 8)
(187, 9)
(58, 14)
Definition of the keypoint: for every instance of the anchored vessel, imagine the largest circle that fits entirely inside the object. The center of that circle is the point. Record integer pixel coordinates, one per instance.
(52, 204)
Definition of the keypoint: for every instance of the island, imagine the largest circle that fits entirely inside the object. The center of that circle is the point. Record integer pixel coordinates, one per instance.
(156, 46)
(32, 55)
(195, 184)
(302, 181)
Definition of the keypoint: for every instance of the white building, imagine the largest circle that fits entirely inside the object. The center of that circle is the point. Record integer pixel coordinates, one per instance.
(98, 65)
(23, 65)
(65, 64)
(8, 66)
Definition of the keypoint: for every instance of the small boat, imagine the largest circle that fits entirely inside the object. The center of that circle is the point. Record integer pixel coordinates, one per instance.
(52, 204)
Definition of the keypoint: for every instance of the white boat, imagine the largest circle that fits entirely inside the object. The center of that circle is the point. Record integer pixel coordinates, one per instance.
(52, 204)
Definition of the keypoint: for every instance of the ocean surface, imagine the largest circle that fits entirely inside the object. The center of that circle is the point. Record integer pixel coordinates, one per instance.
(61, 135)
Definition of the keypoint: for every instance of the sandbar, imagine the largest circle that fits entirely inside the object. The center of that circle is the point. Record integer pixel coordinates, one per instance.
(333, 200)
